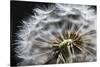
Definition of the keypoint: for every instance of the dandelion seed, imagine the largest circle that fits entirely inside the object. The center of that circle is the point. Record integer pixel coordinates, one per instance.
(57, 35)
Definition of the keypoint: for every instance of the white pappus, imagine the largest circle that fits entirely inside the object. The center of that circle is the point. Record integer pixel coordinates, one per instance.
(36, 38)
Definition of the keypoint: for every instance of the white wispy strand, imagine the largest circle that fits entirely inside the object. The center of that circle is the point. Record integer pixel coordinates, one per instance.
(33, 51)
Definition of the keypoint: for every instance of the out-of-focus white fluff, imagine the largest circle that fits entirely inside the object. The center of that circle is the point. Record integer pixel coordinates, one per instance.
(41, 25)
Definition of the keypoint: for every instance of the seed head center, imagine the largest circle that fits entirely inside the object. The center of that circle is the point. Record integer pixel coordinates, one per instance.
(69, 40)
(66, 41)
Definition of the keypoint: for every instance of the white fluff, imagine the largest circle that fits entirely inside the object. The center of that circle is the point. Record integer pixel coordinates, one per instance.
(44, 22)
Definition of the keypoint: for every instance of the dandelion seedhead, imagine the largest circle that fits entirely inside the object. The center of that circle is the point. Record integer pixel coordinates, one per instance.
(61, 33)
